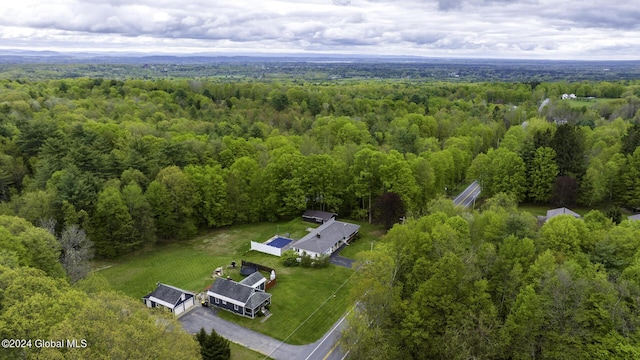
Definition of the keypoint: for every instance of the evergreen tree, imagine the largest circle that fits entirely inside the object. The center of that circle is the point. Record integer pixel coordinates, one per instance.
(568, 142)
(213, 346)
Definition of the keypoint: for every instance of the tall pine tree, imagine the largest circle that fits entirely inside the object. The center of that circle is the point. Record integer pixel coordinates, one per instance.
(213, 346)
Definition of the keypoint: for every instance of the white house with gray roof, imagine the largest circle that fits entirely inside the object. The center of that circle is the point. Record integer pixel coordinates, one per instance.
(326, 238)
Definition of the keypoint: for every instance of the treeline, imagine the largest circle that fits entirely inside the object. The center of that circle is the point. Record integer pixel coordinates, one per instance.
(133, 161)
(564, 164)
(496, 285)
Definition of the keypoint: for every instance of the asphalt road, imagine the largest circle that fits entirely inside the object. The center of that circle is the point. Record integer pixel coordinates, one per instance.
(327, 347)
(468, 196)
(207, 318)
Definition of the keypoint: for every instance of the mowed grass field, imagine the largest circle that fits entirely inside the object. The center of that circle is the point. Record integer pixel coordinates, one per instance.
(578, 103)
(305, 302)
(541, 209)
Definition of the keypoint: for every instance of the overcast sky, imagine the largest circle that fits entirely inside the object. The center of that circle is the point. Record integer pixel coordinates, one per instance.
(586, 29)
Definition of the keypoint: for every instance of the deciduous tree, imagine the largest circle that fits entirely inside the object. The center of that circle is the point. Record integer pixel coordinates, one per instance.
(172, 198)
(77, 252)
(210, 194)
(144, 227)
(112, 226)
(542, 174)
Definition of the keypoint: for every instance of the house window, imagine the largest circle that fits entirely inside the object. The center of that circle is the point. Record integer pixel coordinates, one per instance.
(224, 302)
(235, 307)
(217, 301)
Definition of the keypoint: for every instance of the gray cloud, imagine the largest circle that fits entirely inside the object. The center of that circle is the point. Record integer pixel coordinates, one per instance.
(622, 17)
(492, 28)
(420, 38)
(446, 5)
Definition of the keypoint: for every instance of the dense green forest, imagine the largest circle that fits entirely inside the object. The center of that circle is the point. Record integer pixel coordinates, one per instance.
(495, 285)
(107, 167)
(130, 162)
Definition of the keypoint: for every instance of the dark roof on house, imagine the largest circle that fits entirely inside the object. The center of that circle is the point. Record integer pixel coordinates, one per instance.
(253, 279)
(257, 299)
(239, 292)
(330, 233)
(634, 217)
(232, 290)
(561, 211)
(168, 293)
(317, 214)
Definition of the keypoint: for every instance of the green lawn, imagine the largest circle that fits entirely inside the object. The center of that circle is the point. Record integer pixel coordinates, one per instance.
(305, 302)
(189, 264)
(369, 236)
(588, 103)
(541, 209)
(239, 352)
(535, 209)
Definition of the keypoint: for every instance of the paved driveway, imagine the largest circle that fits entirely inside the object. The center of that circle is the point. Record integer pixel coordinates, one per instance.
(336, 259)
(203, 317)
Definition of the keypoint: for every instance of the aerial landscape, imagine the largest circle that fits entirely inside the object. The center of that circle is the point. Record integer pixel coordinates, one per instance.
(344, 179)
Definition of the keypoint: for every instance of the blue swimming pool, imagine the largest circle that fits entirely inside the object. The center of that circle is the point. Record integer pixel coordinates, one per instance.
(279, 242)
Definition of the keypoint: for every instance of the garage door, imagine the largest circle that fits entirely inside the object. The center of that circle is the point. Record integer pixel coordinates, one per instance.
(184, 306)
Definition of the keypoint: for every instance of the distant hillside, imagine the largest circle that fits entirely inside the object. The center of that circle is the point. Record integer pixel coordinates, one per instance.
(38, 65)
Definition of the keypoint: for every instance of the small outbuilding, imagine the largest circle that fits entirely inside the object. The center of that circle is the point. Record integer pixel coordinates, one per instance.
(172, 298)
(317, 216)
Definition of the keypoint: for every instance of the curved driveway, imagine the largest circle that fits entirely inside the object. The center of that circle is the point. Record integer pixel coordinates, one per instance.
(203, 317)
(338, 260)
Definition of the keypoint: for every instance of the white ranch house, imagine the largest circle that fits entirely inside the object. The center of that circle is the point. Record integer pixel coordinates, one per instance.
(326, 238)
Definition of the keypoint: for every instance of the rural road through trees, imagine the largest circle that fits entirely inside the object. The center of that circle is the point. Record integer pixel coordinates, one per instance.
(469, 195)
